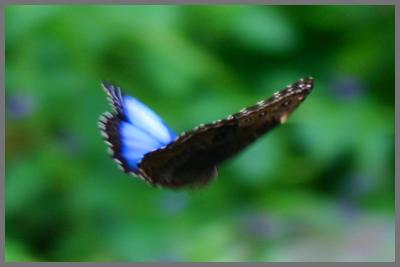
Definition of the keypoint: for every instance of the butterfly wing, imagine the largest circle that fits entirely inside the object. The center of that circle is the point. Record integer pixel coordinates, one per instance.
(192, 158)
(132, 129)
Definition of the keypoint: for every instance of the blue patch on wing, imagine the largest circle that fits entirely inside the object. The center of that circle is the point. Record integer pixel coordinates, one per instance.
(142, 132)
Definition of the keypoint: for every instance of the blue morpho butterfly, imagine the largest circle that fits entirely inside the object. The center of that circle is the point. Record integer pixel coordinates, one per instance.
(143, 145)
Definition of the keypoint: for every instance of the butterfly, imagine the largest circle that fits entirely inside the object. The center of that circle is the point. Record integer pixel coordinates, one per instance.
(145, 146)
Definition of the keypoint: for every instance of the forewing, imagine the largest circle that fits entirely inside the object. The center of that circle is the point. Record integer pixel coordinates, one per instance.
(191, 159)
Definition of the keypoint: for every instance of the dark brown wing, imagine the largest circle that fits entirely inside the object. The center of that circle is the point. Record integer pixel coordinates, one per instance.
(192, 158)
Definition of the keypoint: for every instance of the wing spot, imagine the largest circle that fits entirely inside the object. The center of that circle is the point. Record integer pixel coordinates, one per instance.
(107, 114)
(283, 118)
(103, 119)
(276, 95)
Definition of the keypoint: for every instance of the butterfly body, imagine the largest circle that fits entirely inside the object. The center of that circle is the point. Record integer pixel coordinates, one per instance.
(191, 158)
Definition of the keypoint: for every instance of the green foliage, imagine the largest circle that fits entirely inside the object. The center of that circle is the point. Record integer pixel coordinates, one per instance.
(320, 187)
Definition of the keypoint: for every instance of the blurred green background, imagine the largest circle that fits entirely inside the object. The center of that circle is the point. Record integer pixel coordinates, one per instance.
(320, 187)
